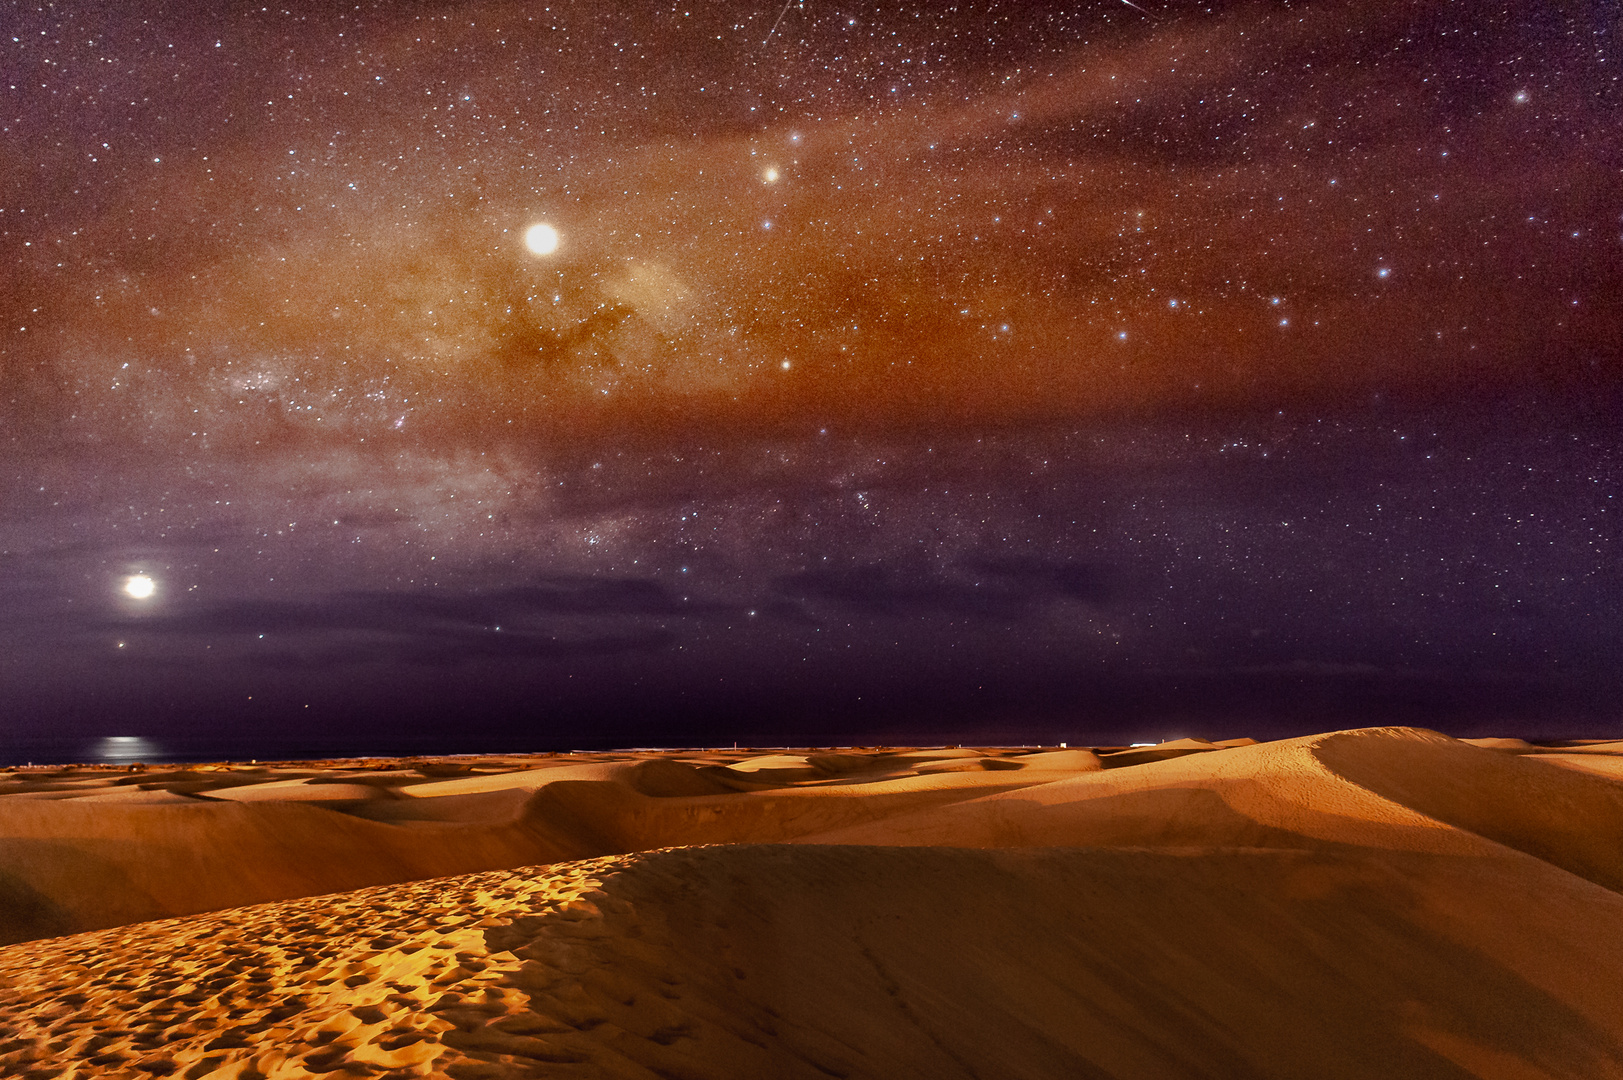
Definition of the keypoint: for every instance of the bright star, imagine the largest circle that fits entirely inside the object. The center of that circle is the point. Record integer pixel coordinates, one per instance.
(541, 238)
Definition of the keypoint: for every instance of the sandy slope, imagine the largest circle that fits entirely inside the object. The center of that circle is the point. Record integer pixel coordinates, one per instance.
(86, 851)
(80, 852)
(1396, 788)
(797, 961)
(1386, 902)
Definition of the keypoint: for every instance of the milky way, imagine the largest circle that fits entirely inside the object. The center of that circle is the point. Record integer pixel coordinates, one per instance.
(904, 368)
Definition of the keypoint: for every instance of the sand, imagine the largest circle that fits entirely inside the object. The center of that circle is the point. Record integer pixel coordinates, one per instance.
(1384, 902)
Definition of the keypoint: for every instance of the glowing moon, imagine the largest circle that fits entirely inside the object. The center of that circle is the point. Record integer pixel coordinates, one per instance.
(139, 586)
(541, 238)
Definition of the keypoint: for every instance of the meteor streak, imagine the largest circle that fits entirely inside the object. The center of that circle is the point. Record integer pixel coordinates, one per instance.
(775, 22)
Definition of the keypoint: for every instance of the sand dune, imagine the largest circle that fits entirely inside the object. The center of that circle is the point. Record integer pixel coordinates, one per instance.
(66, 865)
(112, 847)
(1385, 902)
(1599, 764)
(797, 961)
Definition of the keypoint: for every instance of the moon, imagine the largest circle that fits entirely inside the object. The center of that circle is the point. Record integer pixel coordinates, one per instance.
(140, 586)
(541, 238)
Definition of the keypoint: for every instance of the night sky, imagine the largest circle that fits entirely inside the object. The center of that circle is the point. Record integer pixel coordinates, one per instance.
(428, 377)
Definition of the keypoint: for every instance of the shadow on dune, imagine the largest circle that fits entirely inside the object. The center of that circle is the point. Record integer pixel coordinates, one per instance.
(128, 864)
(870, 963)
(1567, 818)
(77, 864)
(931, 962)
(26, 912)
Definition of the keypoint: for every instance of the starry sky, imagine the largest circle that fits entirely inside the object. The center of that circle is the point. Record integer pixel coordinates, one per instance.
(484, 375)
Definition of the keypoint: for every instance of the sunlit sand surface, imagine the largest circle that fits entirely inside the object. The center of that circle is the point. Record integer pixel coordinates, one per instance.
(1385, 902)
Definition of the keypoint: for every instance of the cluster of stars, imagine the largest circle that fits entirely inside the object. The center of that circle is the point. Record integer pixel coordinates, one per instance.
(739, 185)
(628, 327)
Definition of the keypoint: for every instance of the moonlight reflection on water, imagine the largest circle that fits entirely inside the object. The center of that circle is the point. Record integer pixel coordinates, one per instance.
(124, 750)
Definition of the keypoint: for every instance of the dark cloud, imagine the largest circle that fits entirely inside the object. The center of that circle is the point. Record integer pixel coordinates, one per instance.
(446, 649)
(561, 617)
(606, 597)
(989, 587)
(1091, 583)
